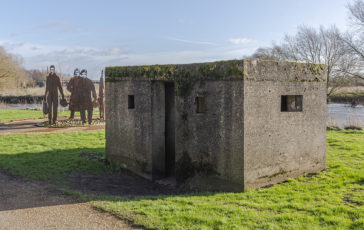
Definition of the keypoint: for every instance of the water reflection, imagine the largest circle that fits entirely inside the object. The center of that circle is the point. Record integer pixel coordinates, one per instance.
(337, 114)
(28, 106)
(344, 114)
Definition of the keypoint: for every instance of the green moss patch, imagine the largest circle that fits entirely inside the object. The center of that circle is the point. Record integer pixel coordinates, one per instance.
(185, 75)
(213, 70)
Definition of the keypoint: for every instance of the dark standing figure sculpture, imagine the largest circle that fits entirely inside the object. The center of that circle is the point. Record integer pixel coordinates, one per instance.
(87, 88)
(101, 96)
(73, 88)
(53, 84)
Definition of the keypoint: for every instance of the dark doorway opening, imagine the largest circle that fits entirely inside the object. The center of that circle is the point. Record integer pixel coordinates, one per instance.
(131, 104)
(170, 129)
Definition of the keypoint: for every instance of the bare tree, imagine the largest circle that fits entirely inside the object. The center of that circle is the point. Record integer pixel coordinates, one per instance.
(37, 75)
(323, 45)
(12, 74)
(353, 41)
(270, 53)
(356, 14)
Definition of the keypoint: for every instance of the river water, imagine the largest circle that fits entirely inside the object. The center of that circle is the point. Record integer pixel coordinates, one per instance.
(337, 114)
(29, 106)
(343, 114)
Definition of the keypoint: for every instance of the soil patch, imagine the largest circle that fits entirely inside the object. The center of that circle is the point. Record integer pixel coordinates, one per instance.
(124, 184)
(28, 204)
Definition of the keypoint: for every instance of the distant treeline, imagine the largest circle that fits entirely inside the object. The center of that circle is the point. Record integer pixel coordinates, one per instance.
(14, 75)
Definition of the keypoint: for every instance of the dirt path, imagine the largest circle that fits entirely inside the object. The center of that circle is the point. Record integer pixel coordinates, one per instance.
(29, 126)
(26, 204)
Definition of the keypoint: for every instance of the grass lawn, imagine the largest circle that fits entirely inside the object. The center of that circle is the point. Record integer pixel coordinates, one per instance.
(14, 114)
(332, 199)
(51, 156)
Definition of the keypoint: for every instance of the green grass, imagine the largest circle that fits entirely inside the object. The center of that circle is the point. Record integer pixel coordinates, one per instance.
(15, 114)
(332, 199)
(52, 156)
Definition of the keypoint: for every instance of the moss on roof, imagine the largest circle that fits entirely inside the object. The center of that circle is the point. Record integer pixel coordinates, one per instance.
(211, 70)
(224, 70)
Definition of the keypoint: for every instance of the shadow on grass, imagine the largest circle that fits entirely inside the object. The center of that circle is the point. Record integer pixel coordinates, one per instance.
(18, 125)
(70, 176)
(82, 171)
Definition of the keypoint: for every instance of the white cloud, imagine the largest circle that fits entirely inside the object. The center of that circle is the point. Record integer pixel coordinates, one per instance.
(66, 59)
(187, 56)
(62, 26)
(181, 20)
(191, 41)
(241, 41)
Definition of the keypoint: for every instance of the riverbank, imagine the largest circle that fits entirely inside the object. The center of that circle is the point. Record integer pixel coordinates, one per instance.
(32, 95)
(36, 95)
(348, 98)
(30, 91)
(338, 115)
(27, 99)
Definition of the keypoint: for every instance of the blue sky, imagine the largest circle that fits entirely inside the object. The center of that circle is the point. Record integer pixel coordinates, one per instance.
(94, 34)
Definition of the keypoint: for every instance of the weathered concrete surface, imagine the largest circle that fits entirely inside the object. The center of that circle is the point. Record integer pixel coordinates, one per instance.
(214, 140)
(279, 144)
(135, 137)
(243, 140)
(262, 70)
(129, 131)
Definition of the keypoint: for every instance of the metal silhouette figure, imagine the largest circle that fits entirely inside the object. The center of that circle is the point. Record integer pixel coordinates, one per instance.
(86, 88)
(53, 84)
(72, 87)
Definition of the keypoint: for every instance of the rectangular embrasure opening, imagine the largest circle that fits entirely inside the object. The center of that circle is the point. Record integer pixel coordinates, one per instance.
(200, 105)
(291, 103)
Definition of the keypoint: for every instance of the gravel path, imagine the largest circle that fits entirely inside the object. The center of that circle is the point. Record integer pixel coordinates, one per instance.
(26, 204)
